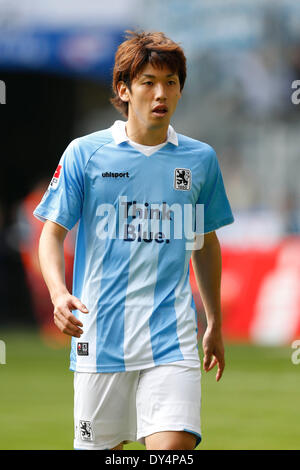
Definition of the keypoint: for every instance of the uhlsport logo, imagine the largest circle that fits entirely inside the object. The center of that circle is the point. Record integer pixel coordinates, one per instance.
(182, 179)
(110, 174)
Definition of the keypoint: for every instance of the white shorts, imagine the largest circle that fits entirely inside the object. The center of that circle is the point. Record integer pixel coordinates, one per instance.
(110, 408)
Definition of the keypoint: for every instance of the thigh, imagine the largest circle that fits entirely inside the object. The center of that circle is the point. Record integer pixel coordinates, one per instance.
(169, 399)
(171, 440)
(104, 409)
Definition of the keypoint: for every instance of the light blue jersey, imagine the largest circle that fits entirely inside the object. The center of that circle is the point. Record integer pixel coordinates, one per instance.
(131, 265)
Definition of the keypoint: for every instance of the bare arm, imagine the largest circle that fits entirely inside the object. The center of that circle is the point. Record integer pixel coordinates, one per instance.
(52, 263)
(207, 265)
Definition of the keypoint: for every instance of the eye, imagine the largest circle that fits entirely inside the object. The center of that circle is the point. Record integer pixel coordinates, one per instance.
(171, 82)
(148, 83)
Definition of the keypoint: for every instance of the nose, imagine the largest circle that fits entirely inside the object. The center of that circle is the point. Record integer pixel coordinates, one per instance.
(160, 92)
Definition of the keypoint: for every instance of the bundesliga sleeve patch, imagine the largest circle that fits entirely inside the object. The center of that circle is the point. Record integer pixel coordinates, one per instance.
(55, 179)
(83, 349)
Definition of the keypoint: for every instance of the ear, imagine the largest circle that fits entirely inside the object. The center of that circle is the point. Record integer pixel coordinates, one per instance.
(123, 91)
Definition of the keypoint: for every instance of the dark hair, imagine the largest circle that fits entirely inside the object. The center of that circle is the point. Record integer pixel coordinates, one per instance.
(139, 49)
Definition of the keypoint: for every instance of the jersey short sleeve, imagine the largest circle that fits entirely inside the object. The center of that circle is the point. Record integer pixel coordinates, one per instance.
(62, 202)
(217, 210)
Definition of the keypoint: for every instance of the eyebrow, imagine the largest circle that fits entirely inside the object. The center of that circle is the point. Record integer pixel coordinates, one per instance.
(154, 76)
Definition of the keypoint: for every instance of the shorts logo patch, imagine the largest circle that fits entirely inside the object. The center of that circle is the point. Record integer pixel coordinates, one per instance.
(86, 433)
(182, 179)
(83, 349)
(55, 179)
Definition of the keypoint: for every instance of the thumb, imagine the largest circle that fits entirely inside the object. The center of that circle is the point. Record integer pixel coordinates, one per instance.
(79, 305)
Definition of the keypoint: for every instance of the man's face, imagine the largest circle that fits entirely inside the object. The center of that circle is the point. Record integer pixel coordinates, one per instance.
(153, 97)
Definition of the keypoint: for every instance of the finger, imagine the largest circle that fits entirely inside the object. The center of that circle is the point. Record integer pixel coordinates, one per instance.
(66, 313)
(206, 361)
(79, 305)
(212, 364)
(65, 329)
(220, 371)
(219, 374)
(67, 320)
(74, 320)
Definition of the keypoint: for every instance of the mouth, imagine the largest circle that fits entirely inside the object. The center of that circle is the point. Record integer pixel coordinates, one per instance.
(160, 110)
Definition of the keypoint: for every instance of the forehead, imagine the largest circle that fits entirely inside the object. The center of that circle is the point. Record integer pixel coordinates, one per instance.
(157, 72)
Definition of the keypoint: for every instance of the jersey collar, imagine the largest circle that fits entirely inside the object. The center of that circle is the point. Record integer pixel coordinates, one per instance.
(119, 133)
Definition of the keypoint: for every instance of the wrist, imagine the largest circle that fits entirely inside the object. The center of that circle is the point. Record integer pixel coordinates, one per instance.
(58, 292)
(214, 325)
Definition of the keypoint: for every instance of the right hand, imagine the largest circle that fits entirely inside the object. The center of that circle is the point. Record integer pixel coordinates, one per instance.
(63, 317)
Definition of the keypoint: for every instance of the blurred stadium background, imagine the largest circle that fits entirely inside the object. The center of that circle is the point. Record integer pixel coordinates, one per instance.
(56, 60)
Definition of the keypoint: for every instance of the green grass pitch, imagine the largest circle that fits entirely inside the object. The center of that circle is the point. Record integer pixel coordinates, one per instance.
(254, 406)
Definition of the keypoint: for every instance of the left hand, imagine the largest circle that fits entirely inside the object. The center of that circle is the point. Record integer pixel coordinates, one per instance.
(213, 349)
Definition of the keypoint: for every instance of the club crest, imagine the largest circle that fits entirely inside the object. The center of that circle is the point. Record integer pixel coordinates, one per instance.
(86, 433)
(182, 179)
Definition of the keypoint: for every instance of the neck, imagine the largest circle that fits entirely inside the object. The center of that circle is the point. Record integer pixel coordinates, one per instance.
(146, 136)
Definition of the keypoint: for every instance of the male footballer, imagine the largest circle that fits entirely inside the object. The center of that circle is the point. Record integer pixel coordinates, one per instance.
(135, 189)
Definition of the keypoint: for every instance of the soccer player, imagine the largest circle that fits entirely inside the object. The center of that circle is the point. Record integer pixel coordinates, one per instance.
(134, 188)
